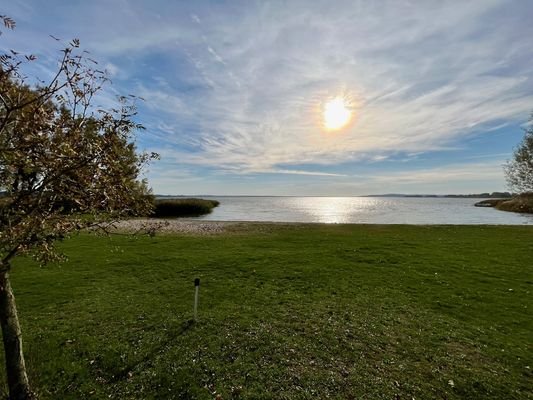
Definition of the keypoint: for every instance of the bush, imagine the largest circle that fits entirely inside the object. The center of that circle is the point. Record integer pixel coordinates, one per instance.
(183, 207)
(522, 203)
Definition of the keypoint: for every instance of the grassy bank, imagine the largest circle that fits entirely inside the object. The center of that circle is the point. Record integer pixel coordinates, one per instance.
(192, 207)
(522, 203)
(286, 312)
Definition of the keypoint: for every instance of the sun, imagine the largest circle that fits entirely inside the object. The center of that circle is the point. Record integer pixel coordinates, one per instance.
(336, 114)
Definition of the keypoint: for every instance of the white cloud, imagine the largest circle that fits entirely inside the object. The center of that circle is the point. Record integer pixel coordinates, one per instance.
(196, 19)
(422, 76)
(216, 56)
(111, 69)
(297, 172)
(449, 174)
(421, 79)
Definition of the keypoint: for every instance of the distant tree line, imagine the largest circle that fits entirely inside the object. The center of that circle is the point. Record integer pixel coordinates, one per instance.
(493, 195)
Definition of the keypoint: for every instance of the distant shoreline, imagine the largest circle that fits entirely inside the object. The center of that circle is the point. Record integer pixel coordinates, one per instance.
(493, 195)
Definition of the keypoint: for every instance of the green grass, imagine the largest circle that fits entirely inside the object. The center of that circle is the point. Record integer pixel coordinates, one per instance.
(192, 207)
(286, 312)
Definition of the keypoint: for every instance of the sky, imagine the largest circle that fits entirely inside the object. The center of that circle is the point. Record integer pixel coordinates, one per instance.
(235, 91)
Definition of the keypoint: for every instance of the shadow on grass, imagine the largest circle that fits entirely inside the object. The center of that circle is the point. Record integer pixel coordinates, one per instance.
(170, 337)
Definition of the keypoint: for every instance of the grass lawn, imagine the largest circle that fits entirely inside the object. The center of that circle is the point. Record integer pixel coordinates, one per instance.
(286, 312)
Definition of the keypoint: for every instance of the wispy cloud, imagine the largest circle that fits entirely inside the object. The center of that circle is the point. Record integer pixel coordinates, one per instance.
(298, 172)
(449, 174)
(239, 87)
(419, 83)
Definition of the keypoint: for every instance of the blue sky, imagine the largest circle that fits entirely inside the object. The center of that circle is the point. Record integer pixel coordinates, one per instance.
(234, 90)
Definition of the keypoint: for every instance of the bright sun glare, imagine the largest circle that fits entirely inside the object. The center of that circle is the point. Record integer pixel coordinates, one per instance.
(336, 114)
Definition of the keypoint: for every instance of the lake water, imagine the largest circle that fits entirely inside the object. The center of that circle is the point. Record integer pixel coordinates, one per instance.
(363, 210)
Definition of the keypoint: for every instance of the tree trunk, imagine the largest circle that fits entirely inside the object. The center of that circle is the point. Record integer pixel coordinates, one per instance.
(17, 379)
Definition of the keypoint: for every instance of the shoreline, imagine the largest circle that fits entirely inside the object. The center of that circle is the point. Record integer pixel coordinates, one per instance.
(522, 204)
(209, 227)
(171, 225)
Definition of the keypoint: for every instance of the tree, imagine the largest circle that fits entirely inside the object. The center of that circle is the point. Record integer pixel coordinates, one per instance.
(519, 170)
(64, 166)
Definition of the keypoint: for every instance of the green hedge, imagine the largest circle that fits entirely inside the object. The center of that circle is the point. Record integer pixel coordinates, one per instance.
(183, 207)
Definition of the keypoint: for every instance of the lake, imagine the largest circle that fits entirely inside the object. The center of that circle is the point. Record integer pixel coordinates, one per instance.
(361, 210)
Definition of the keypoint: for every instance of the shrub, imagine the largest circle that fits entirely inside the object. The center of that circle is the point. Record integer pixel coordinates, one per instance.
(183, 207)
(522, 203)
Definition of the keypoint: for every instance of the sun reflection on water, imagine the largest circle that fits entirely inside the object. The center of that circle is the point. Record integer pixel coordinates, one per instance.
(336, 210)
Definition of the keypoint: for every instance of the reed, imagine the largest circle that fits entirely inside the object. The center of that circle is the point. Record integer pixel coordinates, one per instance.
(189, 207)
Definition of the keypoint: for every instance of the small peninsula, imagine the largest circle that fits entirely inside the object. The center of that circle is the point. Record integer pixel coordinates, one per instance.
(522, 203)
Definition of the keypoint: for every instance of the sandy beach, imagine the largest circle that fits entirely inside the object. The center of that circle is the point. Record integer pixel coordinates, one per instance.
(156, 225)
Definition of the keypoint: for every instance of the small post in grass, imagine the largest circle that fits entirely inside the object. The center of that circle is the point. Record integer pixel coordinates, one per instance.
(196, 289)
